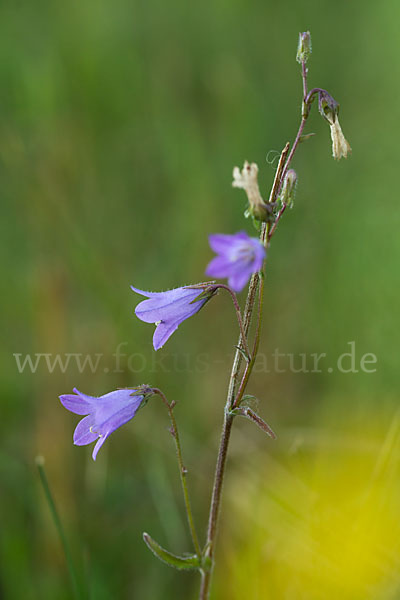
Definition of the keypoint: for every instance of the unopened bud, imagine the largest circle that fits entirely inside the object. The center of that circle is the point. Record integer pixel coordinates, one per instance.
(289, 188)
(39, 460)
(247, 180)
(304, 47)
(329, 109)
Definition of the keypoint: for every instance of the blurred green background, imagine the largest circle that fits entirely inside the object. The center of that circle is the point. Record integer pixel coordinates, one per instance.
(120, 123)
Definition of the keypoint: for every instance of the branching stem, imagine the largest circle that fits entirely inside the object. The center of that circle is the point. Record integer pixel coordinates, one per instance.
(233, 398)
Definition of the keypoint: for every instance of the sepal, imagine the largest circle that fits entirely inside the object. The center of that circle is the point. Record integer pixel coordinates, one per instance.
(206, 293)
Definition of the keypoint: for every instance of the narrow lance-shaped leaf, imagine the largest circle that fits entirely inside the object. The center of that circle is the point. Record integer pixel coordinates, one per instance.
(188, 563)
(243, 353)
(250, 414)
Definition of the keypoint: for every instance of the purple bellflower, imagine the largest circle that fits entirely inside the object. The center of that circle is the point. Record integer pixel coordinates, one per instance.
(168, 309)
(239, 256)
(104, 414)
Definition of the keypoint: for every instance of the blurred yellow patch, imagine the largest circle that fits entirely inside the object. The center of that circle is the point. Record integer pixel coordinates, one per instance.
(320, 523)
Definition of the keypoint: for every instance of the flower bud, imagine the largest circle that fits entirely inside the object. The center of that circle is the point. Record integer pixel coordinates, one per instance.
(288, 188)
(329, 109)
(247, 180)
(304, 47)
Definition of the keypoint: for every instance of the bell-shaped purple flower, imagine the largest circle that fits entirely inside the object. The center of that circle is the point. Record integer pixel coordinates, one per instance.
(168, 309)
(239, 256)
(104, 414)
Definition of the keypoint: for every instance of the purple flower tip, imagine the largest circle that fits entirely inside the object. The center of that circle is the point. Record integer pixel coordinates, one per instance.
(168, 309)
(104, 414)
(239, 256)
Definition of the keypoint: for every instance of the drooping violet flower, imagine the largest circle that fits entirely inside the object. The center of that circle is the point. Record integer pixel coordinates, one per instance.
(168, 309)
(104, 414)
(239, 256)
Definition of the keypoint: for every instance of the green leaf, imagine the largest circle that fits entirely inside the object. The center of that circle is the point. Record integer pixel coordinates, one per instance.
(189, 562)
(243, 353)
(248, 413)
(304, 138)
(249, 401)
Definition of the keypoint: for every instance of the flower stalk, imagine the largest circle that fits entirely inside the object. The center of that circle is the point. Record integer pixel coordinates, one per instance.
(182, 469)
(243, 335)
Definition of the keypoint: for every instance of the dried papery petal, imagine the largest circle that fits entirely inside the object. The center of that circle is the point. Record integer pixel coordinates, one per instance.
(247, 180)
(340, 146)
(329, 109)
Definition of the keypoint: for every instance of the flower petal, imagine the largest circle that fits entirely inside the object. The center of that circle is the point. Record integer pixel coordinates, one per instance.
(219, 267)
(84, 396)
(99, 444)
(222, 242)
(163, 332)
(83, 434)
(75, 404)
(143, 293)
(238, 280)
(171, 305)
(110, 418)
(259, 256)
(114, 401)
